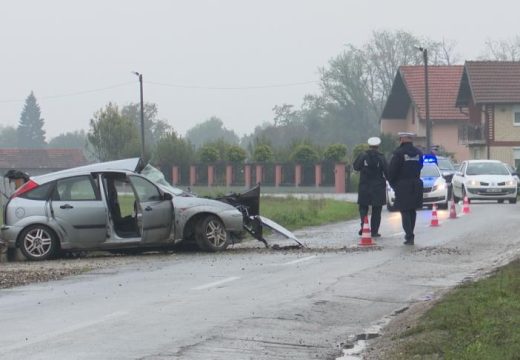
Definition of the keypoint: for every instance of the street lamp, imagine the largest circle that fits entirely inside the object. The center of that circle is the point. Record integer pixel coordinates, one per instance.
(142, 111)
(426, 98)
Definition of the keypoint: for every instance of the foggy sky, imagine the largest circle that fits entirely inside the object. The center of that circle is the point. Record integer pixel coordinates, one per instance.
(218, 57)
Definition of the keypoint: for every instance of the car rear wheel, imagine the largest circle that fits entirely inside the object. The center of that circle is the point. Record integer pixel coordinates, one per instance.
(38, 242)
(211, 235)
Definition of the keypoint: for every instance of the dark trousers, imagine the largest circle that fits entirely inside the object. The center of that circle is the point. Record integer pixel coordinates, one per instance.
(408, 220)
(375, 218)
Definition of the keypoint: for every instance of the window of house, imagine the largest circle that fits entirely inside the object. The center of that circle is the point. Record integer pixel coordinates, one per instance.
(516, 115)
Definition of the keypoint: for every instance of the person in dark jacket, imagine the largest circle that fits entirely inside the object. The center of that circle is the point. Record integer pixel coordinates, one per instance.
(373, 170)
(404, 175)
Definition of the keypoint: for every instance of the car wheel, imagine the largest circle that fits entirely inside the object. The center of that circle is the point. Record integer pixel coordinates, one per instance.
(38, 242)
(512, 201)
(211, 235)
(443, 206)
(500, 201)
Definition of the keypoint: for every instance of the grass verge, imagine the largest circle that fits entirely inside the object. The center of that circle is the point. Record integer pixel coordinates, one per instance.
(296, 213)
(478, 320)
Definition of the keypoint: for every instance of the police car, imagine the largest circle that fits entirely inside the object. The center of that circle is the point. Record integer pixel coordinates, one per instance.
(435, 187)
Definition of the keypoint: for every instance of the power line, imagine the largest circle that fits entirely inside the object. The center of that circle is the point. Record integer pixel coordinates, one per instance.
(250, 87)
(77, 93)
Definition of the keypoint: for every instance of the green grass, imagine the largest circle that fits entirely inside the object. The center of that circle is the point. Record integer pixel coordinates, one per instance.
(479, 320)
(296, 213)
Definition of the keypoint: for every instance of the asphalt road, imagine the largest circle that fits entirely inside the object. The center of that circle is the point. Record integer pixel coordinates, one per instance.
(252, 303)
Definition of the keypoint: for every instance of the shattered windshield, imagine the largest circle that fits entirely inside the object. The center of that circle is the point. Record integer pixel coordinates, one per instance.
(155, 175)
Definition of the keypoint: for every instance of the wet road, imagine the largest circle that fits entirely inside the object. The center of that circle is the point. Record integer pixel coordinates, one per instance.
(251, 303)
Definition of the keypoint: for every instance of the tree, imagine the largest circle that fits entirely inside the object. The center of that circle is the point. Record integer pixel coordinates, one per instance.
(284, 115)
(154, 128)
(263, 153)
(209, 131)
(172, 149)
(235, 154)
(113, 136)
(8, 137)
(72, 140)
(335, 152)
(304, 154)
(503, 50)
(208, 153)
(30, 131)
(358, 149)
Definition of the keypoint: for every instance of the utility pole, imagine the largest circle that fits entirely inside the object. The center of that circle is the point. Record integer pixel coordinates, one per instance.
(142, 113)
(427, 101)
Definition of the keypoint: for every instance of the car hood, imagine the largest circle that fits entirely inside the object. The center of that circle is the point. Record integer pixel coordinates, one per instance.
(491, 179)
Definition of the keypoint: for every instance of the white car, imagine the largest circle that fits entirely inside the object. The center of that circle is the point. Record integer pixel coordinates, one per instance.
(484, 180)
(435, 188)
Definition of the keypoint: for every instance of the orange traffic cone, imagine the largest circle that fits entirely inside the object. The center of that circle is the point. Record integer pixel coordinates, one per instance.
(435, 219)
(453, 210)
(366, 237)
(465, 208)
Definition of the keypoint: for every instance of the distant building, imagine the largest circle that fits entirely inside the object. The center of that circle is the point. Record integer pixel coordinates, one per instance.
(405, 108)
(489, 92)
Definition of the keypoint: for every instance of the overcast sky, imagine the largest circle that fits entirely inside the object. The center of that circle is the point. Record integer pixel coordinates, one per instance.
(234, 59)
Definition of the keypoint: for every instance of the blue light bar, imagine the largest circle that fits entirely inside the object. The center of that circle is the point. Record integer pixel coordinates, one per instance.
(429, 159)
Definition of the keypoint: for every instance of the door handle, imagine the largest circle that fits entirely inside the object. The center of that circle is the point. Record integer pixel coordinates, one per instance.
(148, 208)
(66, 206)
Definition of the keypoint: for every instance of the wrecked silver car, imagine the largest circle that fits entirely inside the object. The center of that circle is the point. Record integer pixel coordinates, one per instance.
(124, 204)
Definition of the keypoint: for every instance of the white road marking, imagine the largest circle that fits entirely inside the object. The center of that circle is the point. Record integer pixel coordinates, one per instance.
(30, 341)
(216, 283)
(299, 260)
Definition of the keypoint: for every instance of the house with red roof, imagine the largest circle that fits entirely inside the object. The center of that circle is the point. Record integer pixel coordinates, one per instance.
(489, 92)
(39, 161)
(405, 108)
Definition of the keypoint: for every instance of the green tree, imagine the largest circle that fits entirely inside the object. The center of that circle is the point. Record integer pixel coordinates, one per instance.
(208, 153)
(172, 149)
(154, 127)
(358, 149)
(72, 140)
(335, 152)
(8, 137)
(236, 154)
(113, 136)
(30, 131)
(263, 153)
(209, 131)
(304, 154)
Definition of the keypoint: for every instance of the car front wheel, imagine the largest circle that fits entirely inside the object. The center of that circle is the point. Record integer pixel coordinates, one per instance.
(38, 242)
(512, 201)
(211, 235)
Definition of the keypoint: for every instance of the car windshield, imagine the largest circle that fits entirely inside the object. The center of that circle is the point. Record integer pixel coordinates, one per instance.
(155, 175)
(445, 164)
(486, 168)
(430, 171)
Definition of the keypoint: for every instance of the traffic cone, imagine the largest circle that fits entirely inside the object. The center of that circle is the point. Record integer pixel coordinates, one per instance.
(366, 237)
(435, 219)
(465, 208)
(453, 210)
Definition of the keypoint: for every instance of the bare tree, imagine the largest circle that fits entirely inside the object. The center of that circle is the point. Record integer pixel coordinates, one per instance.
(502, 50)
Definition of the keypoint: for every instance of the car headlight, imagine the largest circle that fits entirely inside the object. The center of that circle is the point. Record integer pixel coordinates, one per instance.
(440, 186)
(511, 183)
(473, 183)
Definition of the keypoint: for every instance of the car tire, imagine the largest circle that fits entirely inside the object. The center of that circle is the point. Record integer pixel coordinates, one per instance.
(211, 235)
(500, 201)
(512, 201)
(38, 242)
(444, 206)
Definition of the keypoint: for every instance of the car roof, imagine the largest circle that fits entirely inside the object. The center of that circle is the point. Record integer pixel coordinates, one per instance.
(133, 165)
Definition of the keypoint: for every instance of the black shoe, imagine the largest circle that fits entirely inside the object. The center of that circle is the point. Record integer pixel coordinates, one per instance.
(376, 235)
(408, 242)
(360, 232)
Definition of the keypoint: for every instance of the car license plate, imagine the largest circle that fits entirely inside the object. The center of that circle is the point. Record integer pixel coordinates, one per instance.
(493, 190)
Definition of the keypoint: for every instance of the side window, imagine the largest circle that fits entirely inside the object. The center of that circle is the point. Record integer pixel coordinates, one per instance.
(75, 189)
(516, 115)
(146, 191)
(39, 193)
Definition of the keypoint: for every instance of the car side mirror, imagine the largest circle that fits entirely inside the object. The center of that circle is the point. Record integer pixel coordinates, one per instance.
(167, 196)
